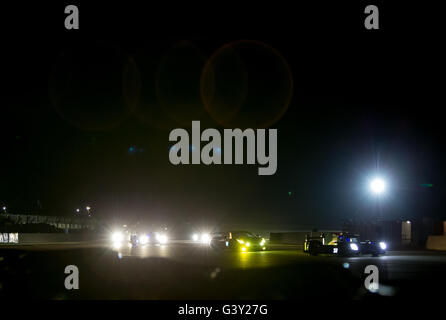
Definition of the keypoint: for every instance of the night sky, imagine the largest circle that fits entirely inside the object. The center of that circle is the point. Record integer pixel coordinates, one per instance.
(86, 114)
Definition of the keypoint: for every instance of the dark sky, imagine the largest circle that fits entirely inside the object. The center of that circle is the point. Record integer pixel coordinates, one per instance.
(73, 132)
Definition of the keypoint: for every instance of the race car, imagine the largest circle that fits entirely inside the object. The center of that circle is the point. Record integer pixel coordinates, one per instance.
(238, 240)
(144, 238)
(343, 244)
(135, 239)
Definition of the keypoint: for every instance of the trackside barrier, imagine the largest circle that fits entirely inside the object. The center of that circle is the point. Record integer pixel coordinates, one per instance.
(287, 237)
(30, 238)
(9, 237)
(436, 243)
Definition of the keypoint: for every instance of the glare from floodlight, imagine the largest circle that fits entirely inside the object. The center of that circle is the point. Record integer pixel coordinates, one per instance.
(378, 185)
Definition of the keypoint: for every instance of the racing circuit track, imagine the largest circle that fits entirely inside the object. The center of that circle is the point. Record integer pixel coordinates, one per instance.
(185, 270)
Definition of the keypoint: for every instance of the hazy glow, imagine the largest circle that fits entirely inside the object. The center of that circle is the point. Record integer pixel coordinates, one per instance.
(117, 245)
(378, 185)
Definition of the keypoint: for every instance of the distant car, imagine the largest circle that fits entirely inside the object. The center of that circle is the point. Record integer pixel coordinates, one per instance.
(152, 238)
(374, 248)
(159, 238)
(343, 244)
(238, 240)
(136, 239)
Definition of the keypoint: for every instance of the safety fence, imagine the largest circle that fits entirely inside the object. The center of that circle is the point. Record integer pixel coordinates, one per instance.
(55, 221)
(9, 237)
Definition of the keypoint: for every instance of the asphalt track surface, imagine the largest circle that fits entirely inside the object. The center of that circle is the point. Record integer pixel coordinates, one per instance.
(185, 270)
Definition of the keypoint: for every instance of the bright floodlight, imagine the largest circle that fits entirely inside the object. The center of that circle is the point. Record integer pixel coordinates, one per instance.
(378, 185)
(195, 237)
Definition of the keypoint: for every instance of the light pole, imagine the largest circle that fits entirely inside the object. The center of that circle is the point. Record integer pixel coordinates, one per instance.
(88, 210)
(378, 188)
